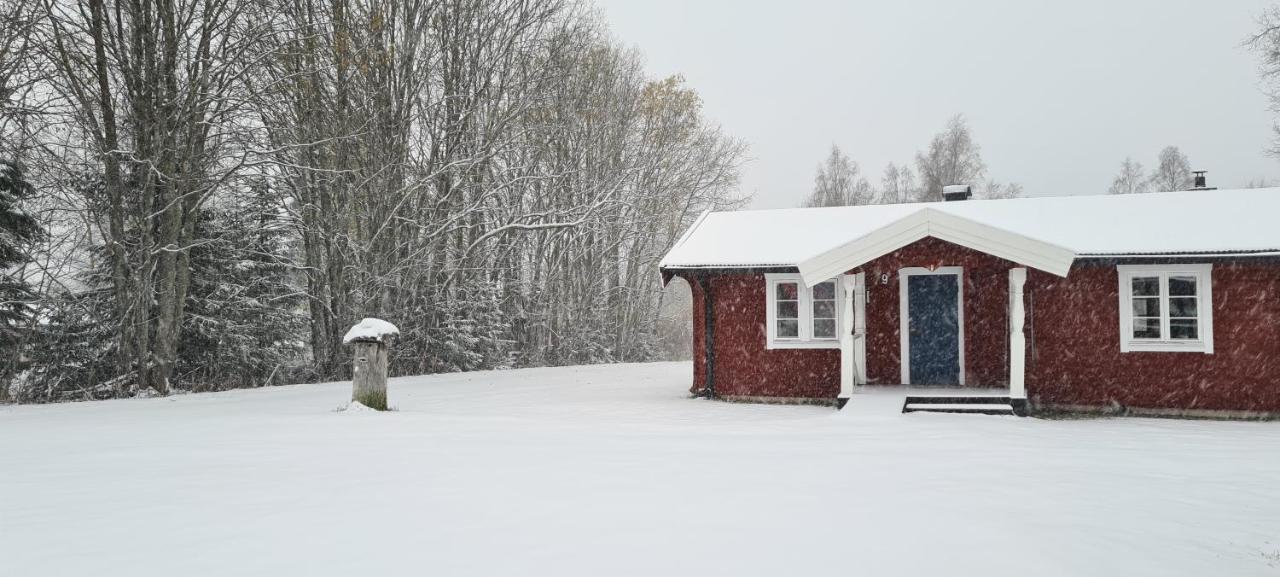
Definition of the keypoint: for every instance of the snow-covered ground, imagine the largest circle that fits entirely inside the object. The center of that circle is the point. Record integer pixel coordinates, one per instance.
(611, 470)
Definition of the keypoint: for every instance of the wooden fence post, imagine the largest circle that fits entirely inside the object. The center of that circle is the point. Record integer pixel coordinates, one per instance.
(370, 339)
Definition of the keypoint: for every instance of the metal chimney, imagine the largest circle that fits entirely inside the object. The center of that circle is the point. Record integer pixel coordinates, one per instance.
(953, 192)
(1200, 182)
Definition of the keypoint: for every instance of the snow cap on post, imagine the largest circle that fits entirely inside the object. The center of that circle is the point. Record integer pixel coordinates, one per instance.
(370, 330)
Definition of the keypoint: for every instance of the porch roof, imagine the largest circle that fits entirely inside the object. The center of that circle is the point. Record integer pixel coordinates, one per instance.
(1047, 233)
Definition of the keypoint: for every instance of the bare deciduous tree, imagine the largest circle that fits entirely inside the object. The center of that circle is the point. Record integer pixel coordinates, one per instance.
(993, 190)
(497, 176)
(952, 158)
(838, 182)
(1172, 172)
(898, 185)
(1131, 179)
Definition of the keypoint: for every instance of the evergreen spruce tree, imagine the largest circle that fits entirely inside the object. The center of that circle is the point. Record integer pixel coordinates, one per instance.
(73, 356)
(245, 324)
(18, 231)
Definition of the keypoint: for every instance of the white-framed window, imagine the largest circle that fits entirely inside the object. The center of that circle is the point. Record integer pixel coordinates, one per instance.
(802, 318)
(1166, 308)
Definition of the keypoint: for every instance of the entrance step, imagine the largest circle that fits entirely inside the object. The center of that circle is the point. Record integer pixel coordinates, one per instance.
(980, 405)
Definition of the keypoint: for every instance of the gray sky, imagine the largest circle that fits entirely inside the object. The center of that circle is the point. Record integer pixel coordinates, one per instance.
(1056, 93)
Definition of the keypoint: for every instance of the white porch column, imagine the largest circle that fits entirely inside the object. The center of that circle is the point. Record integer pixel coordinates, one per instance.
(860, 327)
(847, 368)
(853, 332)
(1017, 338)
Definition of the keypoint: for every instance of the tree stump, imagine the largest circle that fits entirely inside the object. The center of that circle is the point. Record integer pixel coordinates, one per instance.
(369, 375)
(370, 339)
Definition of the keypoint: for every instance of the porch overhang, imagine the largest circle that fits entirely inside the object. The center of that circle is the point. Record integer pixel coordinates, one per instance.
(929, 222)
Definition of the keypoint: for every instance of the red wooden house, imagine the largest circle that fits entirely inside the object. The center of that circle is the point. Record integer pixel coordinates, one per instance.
(1161, 303)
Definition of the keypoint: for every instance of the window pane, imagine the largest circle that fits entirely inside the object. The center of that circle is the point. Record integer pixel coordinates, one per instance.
(788, 291)
(788, 329)
(1146, 307)
(1146, 328)
(788, 310)
(1182, 286)
(1183, 329)
(824, 309)
(826, 290)
(1182, 307)
(1146, 286)
(824, 329)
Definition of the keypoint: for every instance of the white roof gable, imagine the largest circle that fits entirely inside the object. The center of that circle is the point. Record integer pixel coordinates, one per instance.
(1203, 222)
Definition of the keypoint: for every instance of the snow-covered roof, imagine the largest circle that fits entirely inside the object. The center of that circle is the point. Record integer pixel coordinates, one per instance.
(1051, 229)
(370, 329)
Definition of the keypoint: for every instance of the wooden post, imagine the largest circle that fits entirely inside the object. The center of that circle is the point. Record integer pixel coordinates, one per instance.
(860, 326)
(848, 367)
(370, 339)
(369, 374)
(853, 333)
(1017, 340)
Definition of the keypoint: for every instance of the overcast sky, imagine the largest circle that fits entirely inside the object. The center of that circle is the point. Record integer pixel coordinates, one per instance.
(1056, 93)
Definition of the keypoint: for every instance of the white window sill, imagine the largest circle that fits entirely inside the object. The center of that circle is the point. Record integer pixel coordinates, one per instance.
(1154, 346)
(803, 344)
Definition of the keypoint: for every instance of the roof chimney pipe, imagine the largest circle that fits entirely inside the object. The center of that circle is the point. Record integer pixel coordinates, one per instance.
(953, 192)
(1200, 182)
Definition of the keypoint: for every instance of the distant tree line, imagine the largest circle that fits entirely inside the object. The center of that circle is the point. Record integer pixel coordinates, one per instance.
(952, 157)
(1172, 172)
(201, 195)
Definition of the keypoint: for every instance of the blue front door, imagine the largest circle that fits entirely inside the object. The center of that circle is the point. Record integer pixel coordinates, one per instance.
(934, 329)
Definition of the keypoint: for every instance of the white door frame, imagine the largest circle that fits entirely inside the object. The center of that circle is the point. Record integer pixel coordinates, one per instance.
(904, 314)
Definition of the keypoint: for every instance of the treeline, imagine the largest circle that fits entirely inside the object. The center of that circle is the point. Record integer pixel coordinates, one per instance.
(220, 189)
(952, 157)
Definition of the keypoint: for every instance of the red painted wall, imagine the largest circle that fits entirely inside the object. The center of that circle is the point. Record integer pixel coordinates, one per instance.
(986, 302)
(743, 366)
(1074, 353)
(1073, 337)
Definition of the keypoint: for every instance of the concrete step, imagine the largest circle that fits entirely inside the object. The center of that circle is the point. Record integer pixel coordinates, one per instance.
(976, 409)
(982, 405)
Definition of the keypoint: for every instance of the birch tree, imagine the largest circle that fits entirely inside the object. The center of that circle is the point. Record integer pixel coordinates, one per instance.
(1172, 171)
(951, 158)
(898, 185)
(838, 182)
(499, 176)
(1132, 179)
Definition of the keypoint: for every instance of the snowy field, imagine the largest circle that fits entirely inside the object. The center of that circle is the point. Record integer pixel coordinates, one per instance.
(611, 470)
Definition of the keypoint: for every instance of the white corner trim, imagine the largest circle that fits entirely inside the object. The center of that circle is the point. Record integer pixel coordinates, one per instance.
(805, 340)
(904, 316)
(945, 226)
(1204, 306)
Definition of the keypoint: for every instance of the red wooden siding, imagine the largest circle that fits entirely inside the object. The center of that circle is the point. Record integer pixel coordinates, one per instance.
(1074, 353)
(744, 367)
(986, 302)
(1073, 337)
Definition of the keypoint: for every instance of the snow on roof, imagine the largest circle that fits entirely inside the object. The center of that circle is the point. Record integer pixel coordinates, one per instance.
(955, 188)
(370, 329)
(1198, 222)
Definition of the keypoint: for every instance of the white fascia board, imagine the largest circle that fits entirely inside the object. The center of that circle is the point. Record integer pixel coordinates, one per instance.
(1001, 243)
(926, 222)
(882, 241)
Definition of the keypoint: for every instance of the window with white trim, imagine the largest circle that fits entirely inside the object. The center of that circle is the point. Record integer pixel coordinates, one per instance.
(1166, 308)
(800, 317)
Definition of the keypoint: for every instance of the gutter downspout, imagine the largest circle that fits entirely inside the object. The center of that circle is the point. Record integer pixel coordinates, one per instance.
(708, 337)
